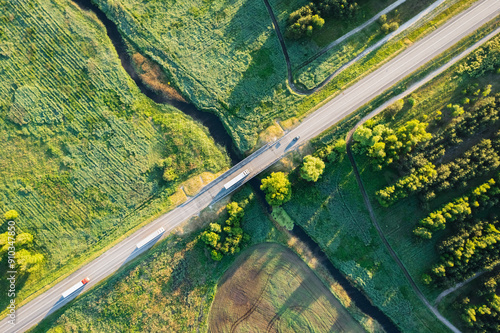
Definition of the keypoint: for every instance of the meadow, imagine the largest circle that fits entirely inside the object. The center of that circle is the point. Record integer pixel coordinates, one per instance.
(81, 149)
(333, 213)
(173, 286)
(225, 58)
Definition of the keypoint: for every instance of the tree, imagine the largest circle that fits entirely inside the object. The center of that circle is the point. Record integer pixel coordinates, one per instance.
(210, 238)
(277, 188)
(217, 256)
(215, 227)
(393, 26)
(27, 261)
(11, 215)
(312, 168)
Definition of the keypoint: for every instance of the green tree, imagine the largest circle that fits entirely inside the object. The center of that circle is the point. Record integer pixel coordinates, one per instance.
(11, 215)
(215, 227)
(210, 238)
(28, 261)
(312, 168)
(217, 256)
(277, 188)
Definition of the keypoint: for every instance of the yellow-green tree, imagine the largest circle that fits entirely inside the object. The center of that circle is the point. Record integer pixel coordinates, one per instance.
(312, 168)
(10, 215)
(277, 188)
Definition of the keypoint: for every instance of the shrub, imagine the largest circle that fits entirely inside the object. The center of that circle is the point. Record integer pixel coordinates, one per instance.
(10, 215)
(277, 188)
(394, 26)
(385, 28)
(312, 168)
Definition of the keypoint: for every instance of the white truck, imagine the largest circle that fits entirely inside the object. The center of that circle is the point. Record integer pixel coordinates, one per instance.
(75, 287)
(236, 179)
(150, 237)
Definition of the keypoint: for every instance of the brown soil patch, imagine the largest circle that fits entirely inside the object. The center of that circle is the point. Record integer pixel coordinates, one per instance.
(270, 289)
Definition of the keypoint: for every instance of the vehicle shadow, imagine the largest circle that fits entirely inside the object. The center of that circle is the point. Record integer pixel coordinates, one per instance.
(62, 301)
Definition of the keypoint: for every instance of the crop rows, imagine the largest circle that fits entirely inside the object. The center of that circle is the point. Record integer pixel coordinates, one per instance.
(79, 141)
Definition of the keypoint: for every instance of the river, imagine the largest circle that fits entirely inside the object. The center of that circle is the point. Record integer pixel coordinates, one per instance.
(218, 132)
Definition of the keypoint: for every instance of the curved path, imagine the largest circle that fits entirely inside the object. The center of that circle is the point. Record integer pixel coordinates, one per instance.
(381, 42)
(326, 116)
(365, 194)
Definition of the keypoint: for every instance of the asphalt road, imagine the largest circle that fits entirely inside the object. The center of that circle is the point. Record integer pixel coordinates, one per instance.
(326, 116)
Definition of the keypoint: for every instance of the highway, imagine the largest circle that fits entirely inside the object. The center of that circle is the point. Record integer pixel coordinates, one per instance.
(329, 114)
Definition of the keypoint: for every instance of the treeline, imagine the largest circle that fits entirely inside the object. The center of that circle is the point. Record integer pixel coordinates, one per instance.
(310, 18)
(228, 237)
(429, 179)
(484, 196)
(482, 115)
(484, 314)
(475, 247)
(385, 145)
(484, 59)
(479, 160)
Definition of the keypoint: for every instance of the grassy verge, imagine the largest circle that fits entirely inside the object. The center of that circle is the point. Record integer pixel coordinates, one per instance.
(80, 143)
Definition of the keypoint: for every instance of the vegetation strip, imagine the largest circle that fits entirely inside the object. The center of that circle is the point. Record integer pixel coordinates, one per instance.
(284, 49)
(360, 183)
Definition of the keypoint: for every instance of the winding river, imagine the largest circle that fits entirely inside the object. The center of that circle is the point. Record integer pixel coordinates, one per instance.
(218, 132)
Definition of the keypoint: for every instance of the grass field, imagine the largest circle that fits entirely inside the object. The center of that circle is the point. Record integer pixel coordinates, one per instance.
(311, 73)
(79, 142)
(332, 212)
(172, 287)
(225, 58)
(270, 289)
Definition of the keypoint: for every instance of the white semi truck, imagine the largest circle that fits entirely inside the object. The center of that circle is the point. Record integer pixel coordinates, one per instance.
(236, 179)
(75, 287)
(150, 237)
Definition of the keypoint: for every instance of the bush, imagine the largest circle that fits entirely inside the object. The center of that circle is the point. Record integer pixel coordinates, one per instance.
(394, 26)
(312, 168)
(385, 28)
(277, 188)
(10, 215)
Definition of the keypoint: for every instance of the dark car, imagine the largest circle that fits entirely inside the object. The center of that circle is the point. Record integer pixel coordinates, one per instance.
(296, 138)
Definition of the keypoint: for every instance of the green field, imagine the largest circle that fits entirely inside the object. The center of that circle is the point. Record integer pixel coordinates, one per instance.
(269, 288)
(226, 59)
(79, 142)
(333, 213)
(174, 285)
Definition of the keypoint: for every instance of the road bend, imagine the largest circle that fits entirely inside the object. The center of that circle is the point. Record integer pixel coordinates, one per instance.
(326, 116)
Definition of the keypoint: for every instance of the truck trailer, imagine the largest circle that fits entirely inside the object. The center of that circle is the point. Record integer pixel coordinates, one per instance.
(150, 237)
(75, 287)
(236, 179)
